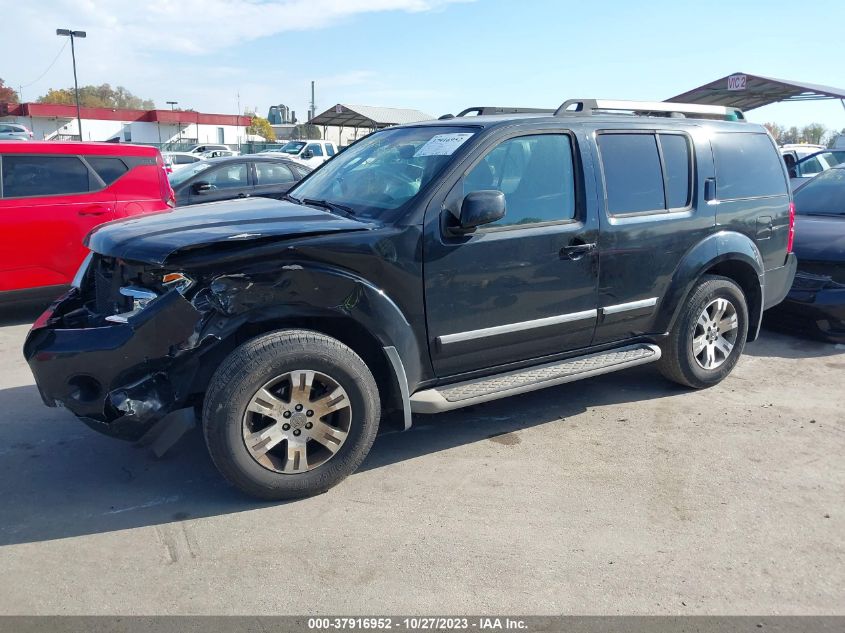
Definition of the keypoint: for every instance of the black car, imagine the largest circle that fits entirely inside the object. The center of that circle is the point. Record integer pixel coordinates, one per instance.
(816, 302)
(235, 177)
(428, 267)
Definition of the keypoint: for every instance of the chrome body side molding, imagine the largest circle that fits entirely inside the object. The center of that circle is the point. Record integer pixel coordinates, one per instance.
(470, 335)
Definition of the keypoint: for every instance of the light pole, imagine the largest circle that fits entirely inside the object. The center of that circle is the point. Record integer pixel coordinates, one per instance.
(71, 35)
(178, 126)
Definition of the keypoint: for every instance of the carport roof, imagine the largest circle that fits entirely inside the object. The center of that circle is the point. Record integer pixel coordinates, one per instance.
(747, 92)
(367, 116)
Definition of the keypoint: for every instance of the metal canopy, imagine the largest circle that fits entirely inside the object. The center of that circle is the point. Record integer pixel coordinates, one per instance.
(753, 91)
(343, 115)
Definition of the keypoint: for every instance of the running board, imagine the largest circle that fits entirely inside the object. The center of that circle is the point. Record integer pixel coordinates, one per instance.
(464, 394)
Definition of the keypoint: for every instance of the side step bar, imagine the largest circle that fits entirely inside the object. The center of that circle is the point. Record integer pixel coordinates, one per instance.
(464, 394)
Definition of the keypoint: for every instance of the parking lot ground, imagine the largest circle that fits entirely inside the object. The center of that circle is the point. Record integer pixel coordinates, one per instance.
(621, 494)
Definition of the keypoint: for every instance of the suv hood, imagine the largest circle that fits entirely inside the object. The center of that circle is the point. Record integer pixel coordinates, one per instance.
(154, 238)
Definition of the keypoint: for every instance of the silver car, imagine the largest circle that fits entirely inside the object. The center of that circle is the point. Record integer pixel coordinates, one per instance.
(14, 132)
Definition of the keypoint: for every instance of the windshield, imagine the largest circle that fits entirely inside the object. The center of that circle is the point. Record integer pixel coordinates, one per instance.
(385, 170)
(823, 195)
(291, 148)
(177, 178)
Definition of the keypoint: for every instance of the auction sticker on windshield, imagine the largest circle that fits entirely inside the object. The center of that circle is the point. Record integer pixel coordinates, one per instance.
(443, 144)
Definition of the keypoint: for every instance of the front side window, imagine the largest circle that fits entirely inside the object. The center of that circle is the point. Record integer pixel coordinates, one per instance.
(228, 176)
(32, 176)
(536, 175)
(386, 170)
(272, 174)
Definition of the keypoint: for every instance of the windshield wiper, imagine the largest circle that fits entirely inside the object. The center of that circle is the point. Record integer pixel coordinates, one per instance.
(289, 198)
(328, 205)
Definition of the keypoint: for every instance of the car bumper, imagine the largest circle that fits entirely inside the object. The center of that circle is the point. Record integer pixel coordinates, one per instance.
(819, 310)
(120, 379)
(778, 281)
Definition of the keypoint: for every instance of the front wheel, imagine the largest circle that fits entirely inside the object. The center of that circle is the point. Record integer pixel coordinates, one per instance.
(709, 334)
(290, 414)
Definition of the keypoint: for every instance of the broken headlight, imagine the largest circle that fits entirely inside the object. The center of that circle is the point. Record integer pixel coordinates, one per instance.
(141, 297)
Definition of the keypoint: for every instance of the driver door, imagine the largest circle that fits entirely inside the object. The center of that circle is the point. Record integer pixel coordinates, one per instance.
(525, 286)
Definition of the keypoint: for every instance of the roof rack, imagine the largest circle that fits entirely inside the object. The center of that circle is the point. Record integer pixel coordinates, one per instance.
(650, 108)
(487, 110)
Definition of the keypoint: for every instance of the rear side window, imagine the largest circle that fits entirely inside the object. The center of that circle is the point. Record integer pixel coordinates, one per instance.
(315, 149)
(632, 174)
(645, 172)
(272, 174)
(747, 166)
(329, 149)
(107, 168)
(31, 176)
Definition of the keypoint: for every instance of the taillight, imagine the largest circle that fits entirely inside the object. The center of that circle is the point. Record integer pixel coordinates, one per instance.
(791, 238)
(168, 196)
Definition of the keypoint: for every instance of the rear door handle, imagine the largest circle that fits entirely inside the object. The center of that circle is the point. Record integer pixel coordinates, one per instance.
(576, 251)
(95, 210)
(243, 195)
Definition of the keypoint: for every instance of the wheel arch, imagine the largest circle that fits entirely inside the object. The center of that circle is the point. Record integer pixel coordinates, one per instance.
(727, 254)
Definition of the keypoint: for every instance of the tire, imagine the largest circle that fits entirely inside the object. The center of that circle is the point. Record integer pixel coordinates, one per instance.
(683, 359)
(243, 423)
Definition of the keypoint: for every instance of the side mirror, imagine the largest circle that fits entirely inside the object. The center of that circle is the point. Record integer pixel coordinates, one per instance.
(479, 208)
(307, 154)
(201, 187)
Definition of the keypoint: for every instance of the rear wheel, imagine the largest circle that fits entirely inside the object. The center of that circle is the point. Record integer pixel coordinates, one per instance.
(290, 414)
(709, 335)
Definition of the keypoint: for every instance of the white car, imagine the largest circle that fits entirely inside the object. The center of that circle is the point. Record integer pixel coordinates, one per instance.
(14, 132)
(311, 153)
(212, 150)
(174, 161)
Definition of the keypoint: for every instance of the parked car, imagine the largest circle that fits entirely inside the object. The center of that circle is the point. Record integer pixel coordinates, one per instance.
(14, 132)
(813, 164)
(816, 302)
(174, 161)
(428, 267)
(208, 148)
(53, 193)
(235, 177)
(312, 153)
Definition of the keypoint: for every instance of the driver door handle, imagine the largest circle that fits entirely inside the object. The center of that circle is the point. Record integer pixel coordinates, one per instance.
(576, 251)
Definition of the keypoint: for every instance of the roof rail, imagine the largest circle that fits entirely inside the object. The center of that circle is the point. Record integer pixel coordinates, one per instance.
(487, 110)
(650, 108)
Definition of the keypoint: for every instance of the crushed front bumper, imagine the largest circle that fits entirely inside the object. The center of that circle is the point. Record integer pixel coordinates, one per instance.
(119, 378)
(815, 304)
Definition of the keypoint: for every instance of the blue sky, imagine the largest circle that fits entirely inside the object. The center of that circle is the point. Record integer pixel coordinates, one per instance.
(434, 55)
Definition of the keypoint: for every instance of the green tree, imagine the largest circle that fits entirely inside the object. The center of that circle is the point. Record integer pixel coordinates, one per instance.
(792, 135)
(813, 133)
(260, 126)
(775, 130)
(7, 94)
(102, 96)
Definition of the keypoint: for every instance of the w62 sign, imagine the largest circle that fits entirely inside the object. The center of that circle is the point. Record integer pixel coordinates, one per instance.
(737, 82)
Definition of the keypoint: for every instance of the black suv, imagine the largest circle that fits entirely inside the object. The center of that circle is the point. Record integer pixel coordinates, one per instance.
(428, 267)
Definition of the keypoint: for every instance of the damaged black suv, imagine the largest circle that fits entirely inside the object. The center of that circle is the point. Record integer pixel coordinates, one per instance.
(427, 267)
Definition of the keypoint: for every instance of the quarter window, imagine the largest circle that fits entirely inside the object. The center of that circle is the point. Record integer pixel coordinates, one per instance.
(747, 166)
(678, 167)
(536, 175)
(32, 176)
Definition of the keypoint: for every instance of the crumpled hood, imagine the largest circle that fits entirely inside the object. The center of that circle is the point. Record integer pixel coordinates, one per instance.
(819, 238)
(153, 238)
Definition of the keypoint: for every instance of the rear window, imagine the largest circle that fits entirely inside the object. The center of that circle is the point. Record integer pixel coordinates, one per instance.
(646, 172)
(107, 168)
(747, 166)
(31, 176)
